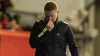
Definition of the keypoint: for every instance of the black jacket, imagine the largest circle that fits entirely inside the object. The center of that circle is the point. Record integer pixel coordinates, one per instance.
(52, 43)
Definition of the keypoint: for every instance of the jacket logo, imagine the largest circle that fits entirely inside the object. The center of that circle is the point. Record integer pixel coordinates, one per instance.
(58, 34)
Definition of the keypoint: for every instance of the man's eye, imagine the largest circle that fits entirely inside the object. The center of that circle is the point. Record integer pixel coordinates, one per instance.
(47, 16)
(52, 16)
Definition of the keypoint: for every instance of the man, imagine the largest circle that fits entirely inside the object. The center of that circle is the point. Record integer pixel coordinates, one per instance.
(51, 36)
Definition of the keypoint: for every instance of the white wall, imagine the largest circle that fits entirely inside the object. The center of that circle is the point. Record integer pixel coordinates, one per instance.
(65, 6)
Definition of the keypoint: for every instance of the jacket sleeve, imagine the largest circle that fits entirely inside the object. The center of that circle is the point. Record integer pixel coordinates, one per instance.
(34, 40)
(71, 42)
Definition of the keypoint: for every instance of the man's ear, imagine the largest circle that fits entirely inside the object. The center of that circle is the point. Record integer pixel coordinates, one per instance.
(57, 11)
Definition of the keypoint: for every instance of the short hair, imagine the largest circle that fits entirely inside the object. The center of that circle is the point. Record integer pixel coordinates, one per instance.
(50, 6)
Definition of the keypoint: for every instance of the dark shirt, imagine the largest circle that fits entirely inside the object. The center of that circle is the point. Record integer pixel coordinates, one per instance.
(53, 43)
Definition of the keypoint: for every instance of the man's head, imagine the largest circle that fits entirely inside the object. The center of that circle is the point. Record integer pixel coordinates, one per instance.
(51, 11)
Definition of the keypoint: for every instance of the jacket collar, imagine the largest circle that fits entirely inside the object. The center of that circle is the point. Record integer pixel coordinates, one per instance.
(57, 20)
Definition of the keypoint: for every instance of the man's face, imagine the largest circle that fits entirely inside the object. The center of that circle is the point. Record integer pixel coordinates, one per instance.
(51, 15)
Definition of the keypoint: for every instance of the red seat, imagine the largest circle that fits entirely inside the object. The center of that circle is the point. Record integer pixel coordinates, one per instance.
(15, 43)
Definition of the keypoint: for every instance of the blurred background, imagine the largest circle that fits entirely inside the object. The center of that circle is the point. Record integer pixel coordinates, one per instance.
(18, 16)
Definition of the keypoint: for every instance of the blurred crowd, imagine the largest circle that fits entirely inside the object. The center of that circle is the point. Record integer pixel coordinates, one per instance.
(10, 22)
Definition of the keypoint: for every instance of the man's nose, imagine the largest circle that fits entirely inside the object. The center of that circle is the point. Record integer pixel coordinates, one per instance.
(50, 18)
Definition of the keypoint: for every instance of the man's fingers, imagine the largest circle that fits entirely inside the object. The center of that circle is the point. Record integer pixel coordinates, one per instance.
(50, 25)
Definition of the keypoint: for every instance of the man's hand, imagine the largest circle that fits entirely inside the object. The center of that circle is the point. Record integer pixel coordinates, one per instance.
(50, 26)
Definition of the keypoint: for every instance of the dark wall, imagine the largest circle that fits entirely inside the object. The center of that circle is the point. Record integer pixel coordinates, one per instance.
(97, 25)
